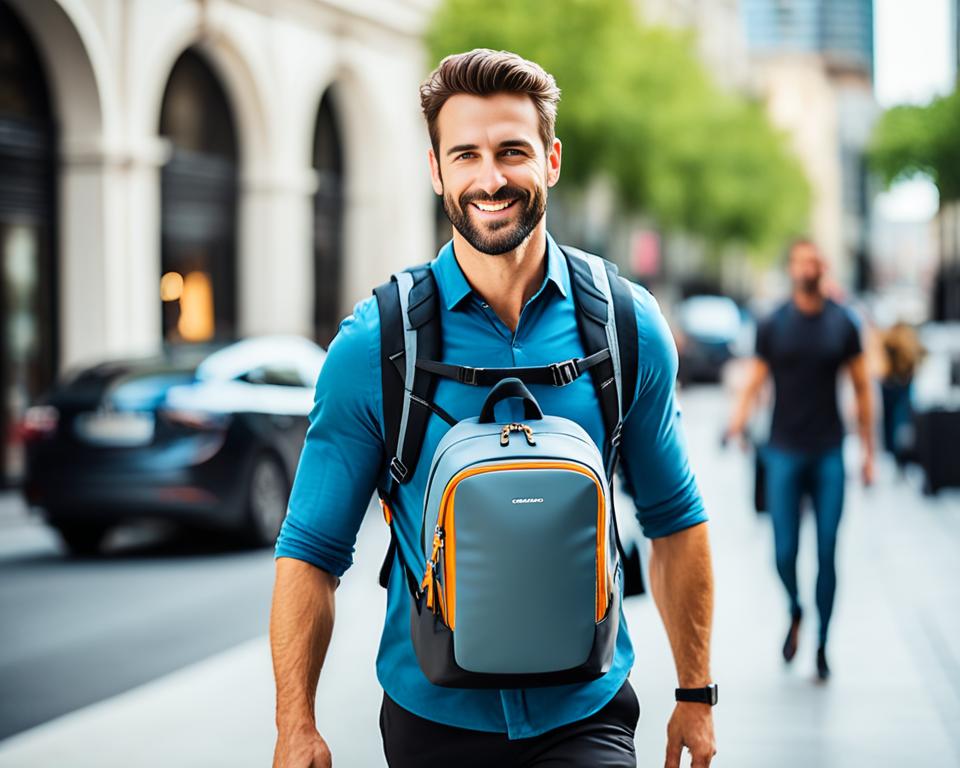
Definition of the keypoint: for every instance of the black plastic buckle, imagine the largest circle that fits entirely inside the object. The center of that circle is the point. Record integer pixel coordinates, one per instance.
(469, 375)
(565, 373)
(398, 470)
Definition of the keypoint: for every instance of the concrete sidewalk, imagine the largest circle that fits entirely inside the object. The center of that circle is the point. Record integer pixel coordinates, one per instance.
(893, 701)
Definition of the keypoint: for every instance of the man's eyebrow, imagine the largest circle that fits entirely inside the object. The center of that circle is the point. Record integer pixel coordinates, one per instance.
(462, 148)
(522, 143)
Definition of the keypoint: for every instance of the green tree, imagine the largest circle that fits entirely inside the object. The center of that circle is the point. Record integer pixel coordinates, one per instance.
(920, 139)
(638, 106)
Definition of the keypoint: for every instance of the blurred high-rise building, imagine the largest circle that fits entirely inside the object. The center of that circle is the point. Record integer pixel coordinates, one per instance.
(812, 62)
(174, 171)
(839, 30)
(956, 39)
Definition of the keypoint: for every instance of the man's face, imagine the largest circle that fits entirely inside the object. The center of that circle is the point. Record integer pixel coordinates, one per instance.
(493, 170)
(806, 268)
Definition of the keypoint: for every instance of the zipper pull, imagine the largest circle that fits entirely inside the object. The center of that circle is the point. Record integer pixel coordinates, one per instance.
(505, 435)
(437, 544)
(427, 586)
(528, 432)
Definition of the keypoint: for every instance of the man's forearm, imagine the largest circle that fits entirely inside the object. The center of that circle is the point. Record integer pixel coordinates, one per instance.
(681, 576)
(756, 376)
(863, 391)
(301, 622)
(865, 420)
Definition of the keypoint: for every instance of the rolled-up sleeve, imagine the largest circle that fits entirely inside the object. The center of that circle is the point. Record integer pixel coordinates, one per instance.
(342, 453)
(654, 466)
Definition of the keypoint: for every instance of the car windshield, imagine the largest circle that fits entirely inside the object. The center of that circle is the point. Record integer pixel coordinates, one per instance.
(265, 359)
(711, 317)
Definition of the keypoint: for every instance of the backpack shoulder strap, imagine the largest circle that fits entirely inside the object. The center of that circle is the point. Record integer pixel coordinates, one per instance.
(598, 289)
(409, 331)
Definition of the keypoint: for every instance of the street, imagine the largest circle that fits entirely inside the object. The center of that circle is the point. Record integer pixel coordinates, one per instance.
(157, 655)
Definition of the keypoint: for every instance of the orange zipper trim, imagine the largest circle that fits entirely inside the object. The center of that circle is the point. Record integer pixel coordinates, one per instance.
(445, 521)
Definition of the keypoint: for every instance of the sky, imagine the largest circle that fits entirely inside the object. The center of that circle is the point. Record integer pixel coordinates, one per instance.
(915, 61)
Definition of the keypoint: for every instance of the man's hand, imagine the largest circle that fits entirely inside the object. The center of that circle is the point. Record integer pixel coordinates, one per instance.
(302, 748)
(736, 435)
(691, 726)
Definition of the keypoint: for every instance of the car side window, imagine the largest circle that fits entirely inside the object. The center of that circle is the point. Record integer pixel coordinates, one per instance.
(274, 375)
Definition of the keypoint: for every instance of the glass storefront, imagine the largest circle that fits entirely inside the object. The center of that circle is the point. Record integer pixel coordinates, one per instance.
(328, 221)
(28, 320)
(198, 192)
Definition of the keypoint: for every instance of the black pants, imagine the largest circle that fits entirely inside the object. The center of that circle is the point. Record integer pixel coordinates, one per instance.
(603, 740)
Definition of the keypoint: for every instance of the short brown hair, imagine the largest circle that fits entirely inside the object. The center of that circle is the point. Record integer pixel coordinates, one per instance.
(483, 72)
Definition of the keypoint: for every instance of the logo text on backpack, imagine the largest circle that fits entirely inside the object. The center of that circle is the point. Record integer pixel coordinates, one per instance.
(528, 501)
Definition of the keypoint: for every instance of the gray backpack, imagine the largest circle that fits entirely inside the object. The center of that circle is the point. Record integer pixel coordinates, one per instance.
(520, 579)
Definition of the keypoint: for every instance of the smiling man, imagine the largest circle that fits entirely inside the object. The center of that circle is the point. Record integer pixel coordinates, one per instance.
(505, 300)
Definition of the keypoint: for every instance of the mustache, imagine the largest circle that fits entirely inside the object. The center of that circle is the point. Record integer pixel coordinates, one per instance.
(501, 195)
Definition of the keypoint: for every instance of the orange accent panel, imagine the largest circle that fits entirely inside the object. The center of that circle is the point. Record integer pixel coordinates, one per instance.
(446, 522)
(387, 514)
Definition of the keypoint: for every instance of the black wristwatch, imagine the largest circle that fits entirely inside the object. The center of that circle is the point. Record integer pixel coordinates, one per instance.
(707, 695)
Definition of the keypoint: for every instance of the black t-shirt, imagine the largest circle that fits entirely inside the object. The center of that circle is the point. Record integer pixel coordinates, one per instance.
(805, 353)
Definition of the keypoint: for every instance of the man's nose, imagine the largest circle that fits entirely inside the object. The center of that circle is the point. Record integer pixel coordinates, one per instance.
(491, 178)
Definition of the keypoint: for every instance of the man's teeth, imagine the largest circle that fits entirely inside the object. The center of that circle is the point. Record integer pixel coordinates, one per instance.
(490, 207)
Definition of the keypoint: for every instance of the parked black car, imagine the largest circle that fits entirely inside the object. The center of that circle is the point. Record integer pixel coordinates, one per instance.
(205, 438)
(707, 331)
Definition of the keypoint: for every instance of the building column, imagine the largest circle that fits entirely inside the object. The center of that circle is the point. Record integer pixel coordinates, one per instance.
(109, 252)
(275, 253)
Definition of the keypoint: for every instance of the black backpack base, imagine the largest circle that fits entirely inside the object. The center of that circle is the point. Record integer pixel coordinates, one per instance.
(433, 642)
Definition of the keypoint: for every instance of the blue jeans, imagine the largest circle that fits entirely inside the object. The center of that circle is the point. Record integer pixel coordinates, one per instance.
(790, 476)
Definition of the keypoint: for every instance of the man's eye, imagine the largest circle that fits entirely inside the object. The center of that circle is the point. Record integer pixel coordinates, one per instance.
(466, 155)
(513, 153)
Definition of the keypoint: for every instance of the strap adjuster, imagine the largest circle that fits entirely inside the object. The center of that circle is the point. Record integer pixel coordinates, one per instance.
(565, 372)
(468, 375)
(617, 435)
(398, 470)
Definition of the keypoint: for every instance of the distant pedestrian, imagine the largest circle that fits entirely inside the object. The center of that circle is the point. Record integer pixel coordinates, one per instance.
(804, 345)
(901, 353)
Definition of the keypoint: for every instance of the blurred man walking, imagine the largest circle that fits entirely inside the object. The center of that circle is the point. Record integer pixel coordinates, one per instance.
(804, 344)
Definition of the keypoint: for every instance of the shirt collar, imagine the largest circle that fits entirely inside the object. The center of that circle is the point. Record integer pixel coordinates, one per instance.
(454, 286)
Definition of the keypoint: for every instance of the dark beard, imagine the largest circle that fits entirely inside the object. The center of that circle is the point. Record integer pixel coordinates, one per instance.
(502, 237)
(810, 287)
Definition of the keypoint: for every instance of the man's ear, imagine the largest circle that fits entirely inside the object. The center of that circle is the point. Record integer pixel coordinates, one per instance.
(553, 163)
(435, 172)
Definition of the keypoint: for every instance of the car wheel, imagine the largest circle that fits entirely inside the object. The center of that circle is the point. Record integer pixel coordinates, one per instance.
(267, 494)
(82, 539)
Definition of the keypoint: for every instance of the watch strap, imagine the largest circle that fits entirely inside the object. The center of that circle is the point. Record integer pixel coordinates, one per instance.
(706, 695)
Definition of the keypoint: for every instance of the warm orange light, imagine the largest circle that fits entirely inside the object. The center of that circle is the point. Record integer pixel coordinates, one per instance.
(171, 286)
(196, 308)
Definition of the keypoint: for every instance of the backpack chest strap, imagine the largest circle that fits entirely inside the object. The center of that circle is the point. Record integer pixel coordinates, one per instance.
(556, 374)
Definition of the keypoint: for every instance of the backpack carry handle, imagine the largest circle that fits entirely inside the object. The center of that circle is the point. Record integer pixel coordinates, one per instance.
(504, 390)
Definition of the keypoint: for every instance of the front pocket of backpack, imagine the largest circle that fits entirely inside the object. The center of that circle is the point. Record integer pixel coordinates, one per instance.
(524, 573)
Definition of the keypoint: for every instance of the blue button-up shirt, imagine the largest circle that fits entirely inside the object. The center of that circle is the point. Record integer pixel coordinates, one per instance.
(343, 458)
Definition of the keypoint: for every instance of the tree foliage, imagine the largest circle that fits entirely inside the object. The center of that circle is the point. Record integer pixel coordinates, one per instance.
(638, 106)
(920, 139)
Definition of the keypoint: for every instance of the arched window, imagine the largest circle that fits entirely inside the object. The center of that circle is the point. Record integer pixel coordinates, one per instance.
(28, 290)
(198, 193)
(328, 221)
